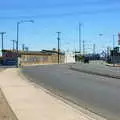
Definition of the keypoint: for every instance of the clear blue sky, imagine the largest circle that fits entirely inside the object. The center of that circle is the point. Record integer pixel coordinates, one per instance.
(50, 16)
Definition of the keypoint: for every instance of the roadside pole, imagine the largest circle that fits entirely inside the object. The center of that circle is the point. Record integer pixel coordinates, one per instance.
(113, 49)
(58, 46)
(2, 37)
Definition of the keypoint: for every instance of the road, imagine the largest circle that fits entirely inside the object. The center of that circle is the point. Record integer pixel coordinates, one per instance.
(98, 94)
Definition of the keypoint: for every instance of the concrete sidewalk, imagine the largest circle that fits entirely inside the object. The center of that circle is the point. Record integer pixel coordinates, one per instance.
(97, 69)
(33, 103)
(113, 65)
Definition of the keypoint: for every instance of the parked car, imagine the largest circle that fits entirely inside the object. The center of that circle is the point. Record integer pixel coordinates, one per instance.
(86, 60)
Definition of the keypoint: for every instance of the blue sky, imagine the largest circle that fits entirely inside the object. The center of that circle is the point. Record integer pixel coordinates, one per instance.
(50, 16)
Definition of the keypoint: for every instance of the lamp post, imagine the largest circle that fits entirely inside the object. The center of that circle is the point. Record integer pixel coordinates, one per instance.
(18, 25)
(100, 38)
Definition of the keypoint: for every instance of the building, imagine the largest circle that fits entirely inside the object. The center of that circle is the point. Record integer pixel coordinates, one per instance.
(69, 57)
(114, 56)
(32, 57)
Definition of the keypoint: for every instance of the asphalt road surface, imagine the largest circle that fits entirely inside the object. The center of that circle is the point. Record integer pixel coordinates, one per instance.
(98, 94)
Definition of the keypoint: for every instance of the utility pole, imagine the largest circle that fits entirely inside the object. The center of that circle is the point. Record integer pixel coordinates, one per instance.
(74, 48)
(113, 41)
(14, 41)
(108, 51)
(80, 37)
(58, 46)
(94, 47)
(26, 49)
(2, 37)
(18, 23)
(23, 47)
(83, 47)
(113, 50)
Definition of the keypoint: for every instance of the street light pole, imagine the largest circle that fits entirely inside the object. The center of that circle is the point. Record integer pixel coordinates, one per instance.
(100, 36)
(17, 46)
(18, 23)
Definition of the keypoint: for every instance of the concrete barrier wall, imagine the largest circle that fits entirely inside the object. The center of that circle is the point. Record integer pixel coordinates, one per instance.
(32, 57)
(41, 59)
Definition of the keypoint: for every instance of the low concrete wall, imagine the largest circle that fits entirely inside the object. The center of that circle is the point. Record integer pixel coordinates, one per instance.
(41, 59)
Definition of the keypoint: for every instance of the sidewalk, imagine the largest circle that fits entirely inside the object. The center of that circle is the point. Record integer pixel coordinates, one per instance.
(97, 69)
(32, 103)
(5, 111)
(113, 65)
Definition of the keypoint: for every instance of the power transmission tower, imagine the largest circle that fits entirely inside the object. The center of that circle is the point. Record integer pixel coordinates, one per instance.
(58, 38)
(2, 37)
